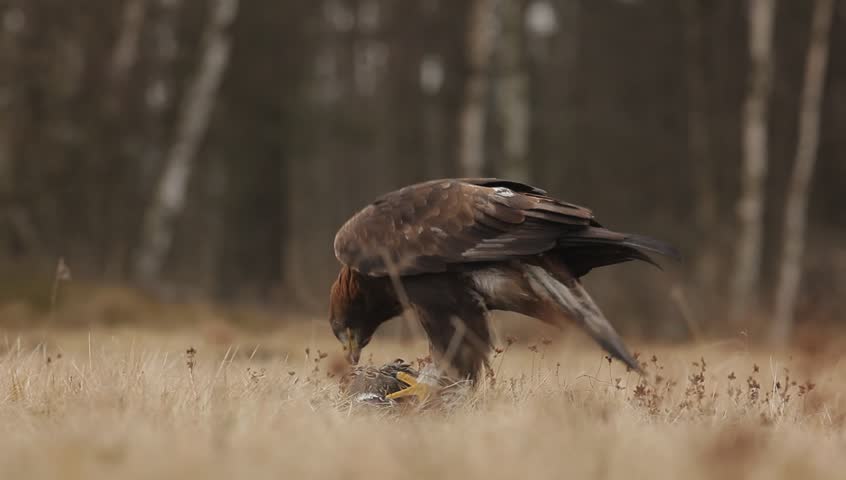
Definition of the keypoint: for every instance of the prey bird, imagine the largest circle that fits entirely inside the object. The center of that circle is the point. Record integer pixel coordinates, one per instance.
(453, 250)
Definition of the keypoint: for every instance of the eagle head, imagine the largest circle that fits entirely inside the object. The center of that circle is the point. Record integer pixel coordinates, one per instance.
(358, 304)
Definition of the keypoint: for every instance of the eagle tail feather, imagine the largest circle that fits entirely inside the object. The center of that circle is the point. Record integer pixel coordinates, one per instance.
(597, 247)
(643, 243)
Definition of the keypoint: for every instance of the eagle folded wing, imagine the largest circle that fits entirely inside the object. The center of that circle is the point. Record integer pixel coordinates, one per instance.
(427, 227)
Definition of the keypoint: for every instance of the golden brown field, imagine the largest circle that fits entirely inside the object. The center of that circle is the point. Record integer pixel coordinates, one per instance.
(131, 403)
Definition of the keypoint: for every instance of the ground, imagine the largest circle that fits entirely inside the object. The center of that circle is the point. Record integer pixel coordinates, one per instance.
(216, 402)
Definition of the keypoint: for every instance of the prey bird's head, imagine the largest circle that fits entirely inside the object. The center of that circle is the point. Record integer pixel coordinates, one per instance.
(357, 306)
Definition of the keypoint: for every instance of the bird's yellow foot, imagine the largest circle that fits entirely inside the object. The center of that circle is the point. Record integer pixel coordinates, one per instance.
(415, 388)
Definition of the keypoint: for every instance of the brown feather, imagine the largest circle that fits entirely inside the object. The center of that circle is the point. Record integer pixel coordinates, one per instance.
(429, 227)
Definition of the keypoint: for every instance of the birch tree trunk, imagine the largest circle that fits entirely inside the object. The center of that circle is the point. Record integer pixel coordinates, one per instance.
(479, 44)
(750, 207)
(512, 92)
(169, 198)
(158, 94)
(795, 214)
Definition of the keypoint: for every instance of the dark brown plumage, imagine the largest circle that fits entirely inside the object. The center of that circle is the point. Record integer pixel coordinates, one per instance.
(463, 247)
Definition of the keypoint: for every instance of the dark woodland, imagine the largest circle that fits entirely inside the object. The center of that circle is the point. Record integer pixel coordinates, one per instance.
(210, 149)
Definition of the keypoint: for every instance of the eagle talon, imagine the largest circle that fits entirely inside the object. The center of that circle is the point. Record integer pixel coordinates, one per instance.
(415, 388)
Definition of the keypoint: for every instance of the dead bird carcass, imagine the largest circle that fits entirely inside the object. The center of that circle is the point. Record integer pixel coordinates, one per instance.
(398, 382)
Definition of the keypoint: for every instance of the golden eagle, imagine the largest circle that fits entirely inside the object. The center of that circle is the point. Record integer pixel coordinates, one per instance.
(453, 250)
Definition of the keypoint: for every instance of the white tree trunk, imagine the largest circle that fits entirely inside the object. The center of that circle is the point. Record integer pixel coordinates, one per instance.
(158, 94)
(512, 92)
(750, 207)
(481, 32)
(169, 199)
(793, 230)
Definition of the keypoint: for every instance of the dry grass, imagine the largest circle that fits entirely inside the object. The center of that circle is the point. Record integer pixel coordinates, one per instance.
(218, 403)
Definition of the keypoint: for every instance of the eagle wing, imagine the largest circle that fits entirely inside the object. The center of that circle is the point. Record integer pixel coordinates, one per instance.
(427, 227)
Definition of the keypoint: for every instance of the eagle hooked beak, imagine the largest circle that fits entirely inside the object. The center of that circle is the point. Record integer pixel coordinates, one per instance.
(352, 347)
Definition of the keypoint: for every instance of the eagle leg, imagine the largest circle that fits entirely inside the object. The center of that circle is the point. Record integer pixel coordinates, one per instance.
(415, 388)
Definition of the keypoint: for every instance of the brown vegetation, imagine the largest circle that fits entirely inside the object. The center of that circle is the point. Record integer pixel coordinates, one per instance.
(132, 403)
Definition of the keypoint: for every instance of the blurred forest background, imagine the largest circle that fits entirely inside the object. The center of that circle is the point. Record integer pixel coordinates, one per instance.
(209, 149)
